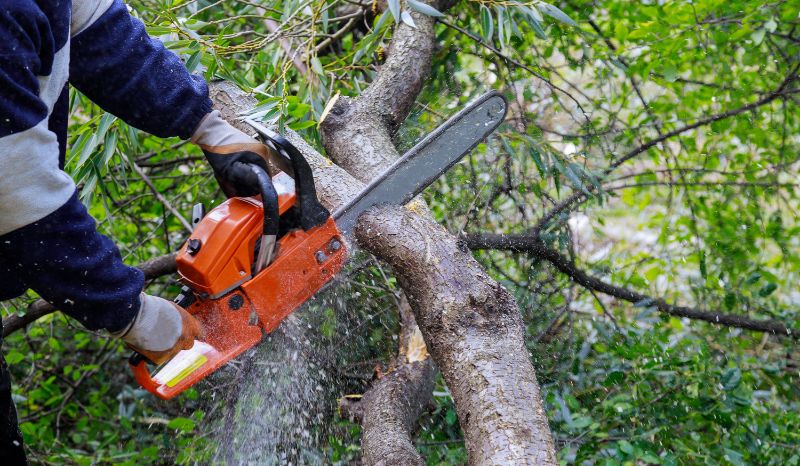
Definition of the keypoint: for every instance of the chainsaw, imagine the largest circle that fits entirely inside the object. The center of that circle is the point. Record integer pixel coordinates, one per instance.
(252, 261)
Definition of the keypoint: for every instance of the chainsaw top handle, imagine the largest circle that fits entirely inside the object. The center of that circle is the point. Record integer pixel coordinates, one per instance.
(310, 212)
(269, 199)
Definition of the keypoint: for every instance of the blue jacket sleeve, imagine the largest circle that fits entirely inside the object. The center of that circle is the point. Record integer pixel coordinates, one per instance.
(68, 263)
(133, 76)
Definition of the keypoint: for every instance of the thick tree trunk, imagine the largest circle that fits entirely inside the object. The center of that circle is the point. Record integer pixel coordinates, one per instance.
(475, 334)
(471, 323)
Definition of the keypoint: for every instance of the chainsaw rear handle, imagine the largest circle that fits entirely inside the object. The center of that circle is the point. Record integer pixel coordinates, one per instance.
(310, 212)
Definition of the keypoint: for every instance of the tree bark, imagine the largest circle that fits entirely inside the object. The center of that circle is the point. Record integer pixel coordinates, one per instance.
(475, 333)
(393, 404)
(471, 323)
(392, 407)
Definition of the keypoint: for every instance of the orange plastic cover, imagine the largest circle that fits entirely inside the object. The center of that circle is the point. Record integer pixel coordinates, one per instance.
(235, 310)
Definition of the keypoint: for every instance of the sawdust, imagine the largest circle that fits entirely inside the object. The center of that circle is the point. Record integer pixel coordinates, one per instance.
(416, 349)
(417, 206)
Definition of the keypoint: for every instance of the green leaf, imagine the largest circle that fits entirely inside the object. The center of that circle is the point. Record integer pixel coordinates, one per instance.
(379, 23)
(13, 356)
(192, 62)
(625, 447)
(758, 36)
(406, 17)
(501, 30)
(487, 23)
(703, 266)
(424, 8)
(183, 424)
(534, 12)
(534, 20)
(767, 289)
(159, 30)
(731, 378)
(556, 13)
(450, 417)
(614, 378)
(298, 125)
(734, 457)
(537, 159)
(670, 73)
(752, 279)
(394, 7)
(316, 65)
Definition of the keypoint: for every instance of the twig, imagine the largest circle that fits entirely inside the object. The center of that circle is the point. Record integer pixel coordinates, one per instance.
(161, 198)
(531, 244)
(513, 61)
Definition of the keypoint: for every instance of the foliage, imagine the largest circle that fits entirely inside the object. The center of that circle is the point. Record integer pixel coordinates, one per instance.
(706, 218)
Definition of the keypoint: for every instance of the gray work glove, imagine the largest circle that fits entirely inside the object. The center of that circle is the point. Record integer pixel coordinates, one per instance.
(230, 152)
(160, 329)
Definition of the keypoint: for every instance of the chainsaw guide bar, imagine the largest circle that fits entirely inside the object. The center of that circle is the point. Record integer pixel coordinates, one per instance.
(250, 262)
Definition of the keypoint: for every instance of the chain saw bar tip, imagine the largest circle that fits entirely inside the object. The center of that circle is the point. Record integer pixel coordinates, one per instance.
(311, 213)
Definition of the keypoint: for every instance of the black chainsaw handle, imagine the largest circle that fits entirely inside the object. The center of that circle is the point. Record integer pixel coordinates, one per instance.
(310, 212)
(269, 199)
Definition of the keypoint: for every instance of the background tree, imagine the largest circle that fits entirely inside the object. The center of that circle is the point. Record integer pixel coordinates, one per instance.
(639, 205)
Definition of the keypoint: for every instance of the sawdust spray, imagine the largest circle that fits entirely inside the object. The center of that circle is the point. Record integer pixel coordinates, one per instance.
(280, 399)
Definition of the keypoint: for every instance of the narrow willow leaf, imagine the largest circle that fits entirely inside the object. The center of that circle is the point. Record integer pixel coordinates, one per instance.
(193, 61)
(571, 173)
(487, 23)
(105, 122)
(406, 17)
(424, 8)
(316, 65)
(298, 125)
(555, 13)
(159, 30)
(109, 145)
(501, 30)
(537, 159)
(325, 20)
(381, 21)
(535, 21)
(87, 149)
(394, 7)
(533, 11)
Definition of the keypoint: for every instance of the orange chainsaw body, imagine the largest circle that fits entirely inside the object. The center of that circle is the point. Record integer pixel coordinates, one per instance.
(236, 309)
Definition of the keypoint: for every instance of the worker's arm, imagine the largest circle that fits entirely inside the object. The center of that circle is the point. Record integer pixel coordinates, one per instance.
(48, 241)
(66, 261)
(133, 76)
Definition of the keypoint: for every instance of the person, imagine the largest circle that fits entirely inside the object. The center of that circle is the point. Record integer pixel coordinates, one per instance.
(48, 241)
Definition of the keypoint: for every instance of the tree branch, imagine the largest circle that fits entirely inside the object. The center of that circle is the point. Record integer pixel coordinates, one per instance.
(579, 196)
(534, 246)
(485, 364)
(392, 405)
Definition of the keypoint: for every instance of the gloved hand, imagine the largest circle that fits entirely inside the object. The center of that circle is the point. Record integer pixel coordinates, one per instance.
(160, 329)
(229, 152)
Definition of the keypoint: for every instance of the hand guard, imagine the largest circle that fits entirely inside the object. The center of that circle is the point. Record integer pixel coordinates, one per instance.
(229, 152)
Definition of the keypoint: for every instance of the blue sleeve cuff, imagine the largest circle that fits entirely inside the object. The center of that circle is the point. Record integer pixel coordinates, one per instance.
(133, 76)
(68, 263)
